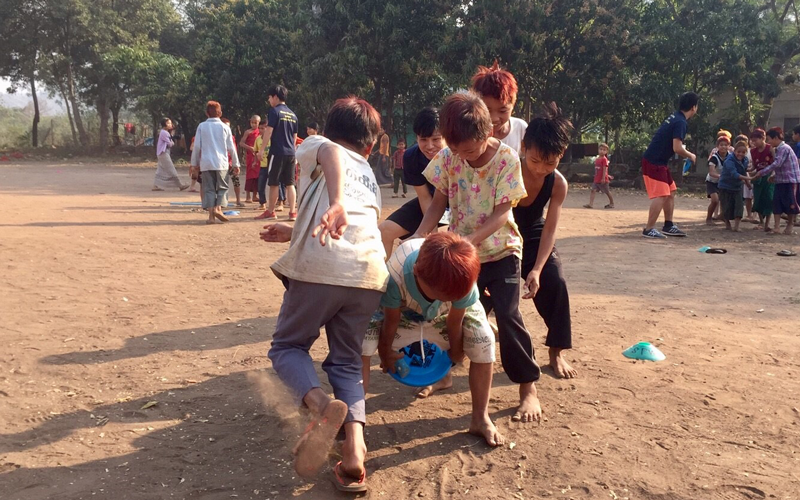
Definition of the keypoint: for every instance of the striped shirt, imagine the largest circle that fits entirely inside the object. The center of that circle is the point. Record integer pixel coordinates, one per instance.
(785, 166)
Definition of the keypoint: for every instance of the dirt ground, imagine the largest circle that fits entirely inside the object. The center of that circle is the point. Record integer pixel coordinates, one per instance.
(134, 361)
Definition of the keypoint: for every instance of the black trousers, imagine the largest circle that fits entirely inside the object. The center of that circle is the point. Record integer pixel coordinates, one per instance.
(502, 279)
(552, 299)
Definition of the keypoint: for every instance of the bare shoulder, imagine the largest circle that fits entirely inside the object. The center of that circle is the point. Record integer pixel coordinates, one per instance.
(560, 185)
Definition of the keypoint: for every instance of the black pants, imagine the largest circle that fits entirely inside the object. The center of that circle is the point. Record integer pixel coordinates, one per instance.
(552, 299)
(502, 279)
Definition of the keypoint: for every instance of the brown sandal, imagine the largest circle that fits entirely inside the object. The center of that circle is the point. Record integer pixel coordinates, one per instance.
(312, 449)
(347, 483)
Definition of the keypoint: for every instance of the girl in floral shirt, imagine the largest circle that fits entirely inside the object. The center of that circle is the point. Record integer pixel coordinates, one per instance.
(481, 180)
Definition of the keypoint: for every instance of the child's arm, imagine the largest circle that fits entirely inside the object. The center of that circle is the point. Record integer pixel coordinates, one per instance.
(197, 146)
(243, 144)
(548, 239)
(455, 319)
(495, 221)
(432, 215)
(334, 221)
(712, 170)
(391, 320)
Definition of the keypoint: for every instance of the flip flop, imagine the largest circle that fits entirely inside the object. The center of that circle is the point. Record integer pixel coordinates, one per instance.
(588, 206)
(609, 206)
(347, 483)
(311, 451)
(787, 253)
(717, 251)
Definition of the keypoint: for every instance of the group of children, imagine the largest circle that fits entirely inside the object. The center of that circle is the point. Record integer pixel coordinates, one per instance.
(440, 286)
(764, 178)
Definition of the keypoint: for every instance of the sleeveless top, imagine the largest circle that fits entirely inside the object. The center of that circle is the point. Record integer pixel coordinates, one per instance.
(530, 219)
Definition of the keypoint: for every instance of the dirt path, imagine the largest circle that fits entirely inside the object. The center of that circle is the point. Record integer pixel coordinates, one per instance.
(113, 300)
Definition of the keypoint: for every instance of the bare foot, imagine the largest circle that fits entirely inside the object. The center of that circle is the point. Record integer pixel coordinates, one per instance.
(530, 410)
(485, 428)
(559, 364)
(789, 232)
(445, 383)
(156, 188)
(709, 222)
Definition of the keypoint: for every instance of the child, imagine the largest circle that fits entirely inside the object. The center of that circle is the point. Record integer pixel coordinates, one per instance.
(763, 190)
(734, 171)
(544, 144)
(481, 179)
(166, 174)
(381, 161)
(248, 143)
(335, 282)
(601, 177)
(212, 149)
(796, 140)
(715, 162)
(263, 166)
(404, 221)
(747, 191)
(397, 167)
(432, 289)
(787, 180)
(312, 128)
(498, 89)
(234, 173)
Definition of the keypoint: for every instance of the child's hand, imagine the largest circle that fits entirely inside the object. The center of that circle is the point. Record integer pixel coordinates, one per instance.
(532, 284)
(236, 171)
(388, 358)
(611, 177)
(333, 222)
(456, 353)
(277, 233)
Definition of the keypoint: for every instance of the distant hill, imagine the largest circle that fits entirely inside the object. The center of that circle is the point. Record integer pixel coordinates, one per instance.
(47, 106)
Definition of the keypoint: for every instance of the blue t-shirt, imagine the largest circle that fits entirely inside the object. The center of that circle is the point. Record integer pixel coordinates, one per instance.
(660, 150)
(284, 127)
(392, 298)
(731, 170)
(414, 163)
(796, 149)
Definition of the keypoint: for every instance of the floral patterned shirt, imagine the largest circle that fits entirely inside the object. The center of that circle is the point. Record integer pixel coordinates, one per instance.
(473, 193)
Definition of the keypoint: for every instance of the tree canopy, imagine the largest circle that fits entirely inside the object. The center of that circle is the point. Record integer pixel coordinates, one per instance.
(612, 65)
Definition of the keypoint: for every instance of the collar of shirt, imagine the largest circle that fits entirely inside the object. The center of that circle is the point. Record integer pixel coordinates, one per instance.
(429, 308)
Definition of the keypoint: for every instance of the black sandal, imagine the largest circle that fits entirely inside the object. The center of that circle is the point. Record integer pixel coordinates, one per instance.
(787, 253)
(717, 251)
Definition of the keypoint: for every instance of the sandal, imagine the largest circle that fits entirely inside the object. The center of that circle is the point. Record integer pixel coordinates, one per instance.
(787, 253)
(609, 206)
(588, 206)
(311, 450)
(719, 251)
(347, 483)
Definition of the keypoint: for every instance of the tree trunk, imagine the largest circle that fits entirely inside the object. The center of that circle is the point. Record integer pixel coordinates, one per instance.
(115, 109)
(102, 133)
(35, 128)
(188, 131)
(745, 123)
(378, 102)
(69, 113)
(76, 110)
(389, 126)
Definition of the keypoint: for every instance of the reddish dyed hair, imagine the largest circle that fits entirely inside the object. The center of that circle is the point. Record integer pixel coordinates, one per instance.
(775, 133)
(449, 263)
(465, 117)
(758, 134)
(354, 121)
(213, 109)
(495, 82)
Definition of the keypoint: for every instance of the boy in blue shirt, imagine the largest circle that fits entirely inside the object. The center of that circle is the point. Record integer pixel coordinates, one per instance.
(734, 171)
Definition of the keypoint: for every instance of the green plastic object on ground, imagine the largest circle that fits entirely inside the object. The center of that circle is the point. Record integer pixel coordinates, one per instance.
(644, 351)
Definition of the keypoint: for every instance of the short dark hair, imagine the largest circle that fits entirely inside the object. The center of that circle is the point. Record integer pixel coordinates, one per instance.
(354, 121)
(426, 122)
(688, 101)
(549, 132)
(279, 91)
(465, 117)
(796, 130)
(313, 125)
(164, 121)
(775, 133)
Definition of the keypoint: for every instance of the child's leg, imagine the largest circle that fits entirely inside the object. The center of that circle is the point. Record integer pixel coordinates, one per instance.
(263, 176)
(345, 333)
(502, 279)
(480, 386)
(591, 199)
(396, 183)
(713, 204)
(403, 180)
(736, 222)
(610, 198)
(552, 303)
(790, 224)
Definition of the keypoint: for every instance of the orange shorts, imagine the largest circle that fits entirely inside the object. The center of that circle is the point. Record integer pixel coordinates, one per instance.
(657, 180)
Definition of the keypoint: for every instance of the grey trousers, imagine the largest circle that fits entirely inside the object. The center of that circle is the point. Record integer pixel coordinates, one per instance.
(215, 188)
(345, 314)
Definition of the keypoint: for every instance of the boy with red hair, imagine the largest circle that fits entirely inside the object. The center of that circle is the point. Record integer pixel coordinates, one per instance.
(498, 89)
(432, 295)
